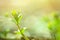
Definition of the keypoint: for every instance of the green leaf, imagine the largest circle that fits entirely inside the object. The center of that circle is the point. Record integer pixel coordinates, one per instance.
(18, 32)
(19, 18)
(13, 20)
(23, 29)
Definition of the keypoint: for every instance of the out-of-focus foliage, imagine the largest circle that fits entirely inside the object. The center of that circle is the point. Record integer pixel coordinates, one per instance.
(54, 25)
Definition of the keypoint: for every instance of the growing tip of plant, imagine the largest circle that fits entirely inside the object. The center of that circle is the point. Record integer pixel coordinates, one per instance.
(13, 12)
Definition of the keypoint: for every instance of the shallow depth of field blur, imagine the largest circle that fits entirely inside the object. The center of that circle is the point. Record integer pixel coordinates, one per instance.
(41, 19)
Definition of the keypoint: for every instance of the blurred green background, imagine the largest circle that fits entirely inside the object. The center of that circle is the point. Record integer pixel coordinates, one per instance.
(33, 12)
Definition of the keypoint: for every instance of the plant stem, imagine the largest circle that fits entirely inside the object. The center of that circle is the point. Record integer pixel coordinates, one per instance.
(26, 38)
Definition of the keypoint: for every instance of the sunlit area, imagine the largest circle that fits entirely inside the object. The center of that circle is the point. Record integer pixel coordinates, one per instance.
(29, 19)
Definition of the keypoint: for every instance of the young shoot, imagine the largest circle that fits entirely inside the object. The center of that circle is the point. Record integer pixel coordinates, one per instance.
(17, 19)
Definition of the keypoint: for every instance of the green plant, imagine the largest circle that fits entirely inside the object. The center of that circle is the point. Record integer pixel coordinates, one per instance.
(54, 26)
(3, 34)
(17, 19)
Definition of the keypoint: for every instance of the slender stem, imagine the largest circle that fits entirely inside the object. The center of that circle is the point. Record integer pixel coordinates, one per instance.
(26, 38)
